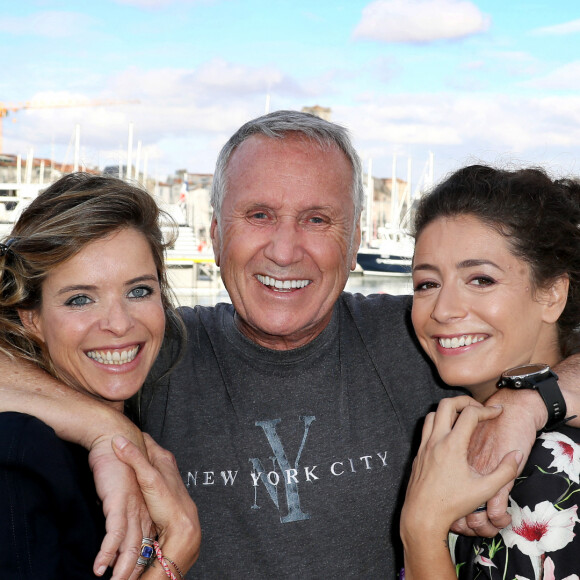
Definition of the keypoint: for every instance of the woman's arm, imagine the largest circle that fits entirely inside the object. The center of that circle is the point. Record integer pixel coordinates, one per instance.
(443, 487)
(172, 510)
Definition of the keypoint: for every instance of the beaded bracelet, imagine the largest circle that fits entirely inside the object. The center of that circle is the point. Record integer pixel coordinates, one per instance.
(175, 566)
(162, 560)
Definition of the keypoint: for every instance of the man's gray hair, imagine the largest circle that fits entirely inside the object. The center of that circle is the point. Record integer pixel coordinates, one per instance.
(278, 125)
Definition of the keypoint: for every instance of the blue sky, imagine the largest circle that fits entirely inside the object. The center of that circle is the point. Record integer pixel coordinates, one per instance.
(481, 80)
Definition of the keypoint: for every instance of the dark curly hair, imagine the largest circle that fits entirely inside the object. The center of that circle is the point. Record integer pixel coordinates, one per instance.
(539, 217)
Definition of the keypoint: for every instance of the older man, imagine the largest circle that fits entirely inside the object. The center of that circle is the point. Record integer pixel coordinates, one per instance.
(292, 413)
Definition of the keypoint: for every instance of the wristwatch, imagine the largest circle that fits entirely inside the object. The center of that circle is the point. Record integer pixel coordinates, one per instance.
(543, 379)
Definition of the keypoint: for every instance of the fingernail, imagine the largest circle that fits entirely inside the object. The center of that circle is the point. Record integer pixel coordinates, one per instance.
(519, 456)
(120, 441)
(101, 570)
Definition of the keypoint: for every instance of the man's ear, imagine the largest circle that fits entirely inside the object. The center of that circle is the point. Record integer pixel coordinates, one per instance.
(31, 322)
(554, 298)
(214, 233)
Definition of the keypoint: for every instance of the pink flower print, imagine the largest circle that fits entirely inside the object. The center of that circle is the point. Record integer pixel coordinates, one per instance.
(550, 571)
(482, 560)
(543, 530)
(566, 454)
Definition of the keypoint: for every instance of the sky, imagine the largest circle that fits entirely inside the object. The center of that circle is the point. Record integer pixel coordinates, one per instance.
(468, 81)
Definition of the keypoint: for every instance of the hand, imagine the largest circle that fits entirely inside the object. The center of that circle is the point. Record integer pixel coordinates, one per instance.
(443, 486)
(127, 517)
(172, 510)
(523, 415)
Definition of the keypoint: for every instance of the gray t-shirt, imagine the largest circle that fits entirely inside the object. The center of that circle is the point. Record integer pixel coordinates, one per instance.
(296, 459)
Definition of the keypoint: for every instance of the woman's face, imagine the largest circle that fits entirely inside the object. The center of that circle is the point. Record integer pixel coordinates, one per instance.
(474, 309)
(101, 316)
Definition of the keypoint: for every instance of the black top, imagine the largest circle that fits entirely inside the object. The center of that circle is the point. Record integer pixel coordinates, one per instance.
(51, 521)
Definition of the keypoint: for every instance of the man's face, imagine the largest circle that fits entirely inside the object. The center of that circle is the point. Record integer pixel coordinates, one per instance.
(286, 239)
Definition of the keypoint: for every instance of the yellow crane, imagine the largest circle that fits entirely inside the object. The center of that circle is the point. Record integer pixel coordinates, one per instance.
(6, 108)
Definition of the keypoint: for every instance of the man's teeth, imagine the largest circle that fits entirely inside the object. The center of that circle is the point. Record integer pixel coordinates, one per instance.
(282, 284)
(464, 340)
(107, 357)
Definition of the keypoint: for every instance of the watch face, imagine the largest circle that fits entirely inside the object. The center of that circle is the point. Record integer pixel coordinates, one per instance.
(525, 370)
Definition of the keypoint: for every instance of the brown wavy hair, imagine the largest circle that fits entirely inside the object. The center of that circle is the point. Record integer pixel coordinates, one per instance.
(74, 211)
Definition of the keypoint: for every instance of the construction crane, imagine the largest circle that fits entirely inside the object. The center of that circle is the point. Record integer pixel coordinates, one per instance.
(6, 109)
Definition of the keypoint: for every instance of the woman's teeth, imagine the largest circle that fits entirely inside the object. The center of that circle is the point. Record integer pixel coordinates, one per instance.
(456, 342)
(115, 357)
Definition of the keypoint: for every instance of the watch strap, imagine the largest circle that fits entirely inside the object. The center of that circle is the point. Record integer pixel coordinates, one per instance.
(554, 400)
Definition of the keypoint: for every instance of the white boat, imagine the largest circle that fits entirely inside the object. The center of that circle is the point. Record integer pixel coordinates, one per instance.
(390, 254)
(14, 197)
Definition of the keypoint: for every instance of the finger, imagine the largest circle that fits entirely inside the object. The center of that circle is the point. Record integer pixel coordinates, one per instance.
(164, 461)
(151, 481)
(426, 431)
(480, 522)
(115, 533)
(468, 421)
(497, 505)
(449, 410)
(480, 525)
(460, 527)
(126, 567)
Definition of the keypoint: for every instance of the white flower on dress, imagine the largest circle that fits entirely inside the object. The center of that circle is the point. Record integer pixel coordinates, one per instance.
(482, 560)
(566, 454)
(550, 571)
(543, 530)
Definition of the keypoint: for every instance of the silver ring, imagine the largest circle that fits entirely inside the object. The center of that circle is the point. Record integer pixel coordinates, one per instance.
(481, 508)
(146, 553)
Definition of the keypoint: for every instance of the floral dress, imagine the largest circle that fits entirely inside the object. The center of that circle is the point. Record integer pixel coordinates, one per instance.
(542, 541)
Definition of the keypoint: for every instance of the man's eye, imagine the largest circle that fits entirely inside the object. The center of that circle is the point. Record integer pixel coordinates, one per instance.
(259, 215)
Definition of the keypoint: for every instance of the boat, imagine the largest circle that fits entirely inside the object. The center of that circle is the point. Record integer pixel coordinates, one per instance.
(391, 251)
(14, 197)
(390, 254)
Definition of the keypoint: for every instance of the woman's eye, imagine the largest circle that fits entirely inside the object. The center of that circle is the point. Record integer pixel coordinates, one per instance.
(80, 300)
(482, 281)
(425, 286)
(140, 292)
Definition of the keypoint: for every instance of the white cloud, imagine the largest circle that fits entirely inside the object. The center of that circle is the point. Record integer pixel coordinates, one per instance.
(564, 78)
(51, 24)
(461, 129)
(420, 21)
(186, 115)
(572, 27)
